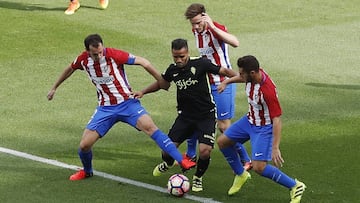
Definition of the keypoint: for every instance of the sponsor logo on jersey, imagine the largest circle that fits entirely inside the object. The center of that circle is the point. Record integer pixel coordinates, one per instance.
(206, 51)
(102, 80)
(184, 84)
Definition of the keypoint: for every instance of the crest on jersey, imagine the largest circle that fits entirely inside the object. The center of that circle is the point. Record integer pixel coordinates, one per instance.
(105, 69)
(193, 70)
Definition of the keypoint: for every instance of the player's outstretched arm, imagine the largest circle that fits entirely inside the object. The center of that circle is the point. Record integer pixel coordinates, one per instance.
(236, 79)
(227, 72)
(157, 85)
(151, 88)
(64, 75)
(148, 67)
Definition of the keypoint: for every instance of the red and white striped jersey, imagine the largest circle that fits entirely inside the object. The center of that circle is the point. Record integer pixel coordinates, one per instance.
(211, 46)
(107, 74)
(263, 101)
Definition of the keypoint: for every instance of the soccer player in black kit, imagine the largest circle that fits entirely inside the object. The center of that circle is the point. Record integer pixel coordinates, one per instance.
(195, 105)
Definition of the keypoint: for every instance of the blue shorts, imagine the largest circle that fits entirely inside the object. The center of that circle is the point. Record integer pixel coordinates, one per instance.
(261, 138)
(225, 101)
(105, 117)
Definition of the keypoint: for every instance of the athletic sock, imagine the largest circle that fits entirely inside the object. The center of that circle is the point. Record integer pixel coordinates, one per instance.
(165, 143)
(202, 166)
(278, 176)
(191, 146)
(86, 160)
(232, 158)
(244, 156)
(168, 159)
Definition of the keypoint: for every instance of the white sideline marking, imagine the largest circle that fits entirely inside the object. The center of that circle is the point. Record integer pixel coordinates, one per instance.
(101, 174)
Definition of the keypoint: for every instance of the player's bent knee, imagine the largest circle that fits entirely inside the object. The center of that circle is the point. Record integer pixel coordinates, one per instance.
(205, 152)
(258, 166)
(84, 147)
(223, 141)
(150, 130)
(88, 139)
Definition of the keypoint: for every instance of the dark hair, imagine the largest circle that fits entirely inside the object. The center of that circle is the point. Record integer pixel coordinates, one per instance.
(178, 44)
(248, 63)
(194, 10)
(93, 40)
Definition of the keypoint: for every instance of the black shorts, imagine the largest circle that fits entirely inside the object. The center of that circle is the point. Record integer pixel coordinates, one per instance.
(184, 128)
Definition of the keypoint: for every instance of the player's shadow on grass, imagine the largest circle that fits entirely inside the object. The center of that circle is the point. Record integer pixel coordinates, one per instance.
(349, 87)
(34, 7)
(27, 7)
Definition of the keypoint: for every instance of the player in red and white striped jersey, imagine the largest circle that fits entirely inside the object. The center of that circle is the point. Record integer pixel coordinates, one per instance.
(262, 126)
(105, 69)
(212, 40)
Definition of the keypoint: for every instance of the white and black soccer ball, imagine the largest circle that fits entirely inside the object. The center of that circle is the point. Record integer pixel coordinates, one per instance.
(178, 185)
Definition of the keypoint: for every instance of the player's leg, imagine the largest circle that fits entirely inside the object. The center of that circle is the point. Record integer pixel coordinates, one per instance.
(261, 154)
(132, 112)
(140, 119)
(73, 6)
(231, 156)
(237, 132)
(261, 144)
(85, 154)
(206, 138)
(191, 147)
(180, 128)
(225, 106)
(225, 103)
(202, 165)
(296, 187)
(167, 163)
(146, 124)
(98, 126)
(244, 156)
(240, 149)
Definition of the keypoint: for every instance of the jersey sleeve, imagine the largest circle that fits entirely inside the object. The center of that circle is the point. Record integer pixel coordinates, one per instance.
(167, 74)
(221, 27)
(271, 98)
(121, 57)
(76, 64)
(211, 68)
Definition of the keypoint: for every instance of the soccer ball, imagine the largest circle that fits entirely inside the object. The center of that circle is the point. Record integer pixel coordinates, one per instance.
(178, 185)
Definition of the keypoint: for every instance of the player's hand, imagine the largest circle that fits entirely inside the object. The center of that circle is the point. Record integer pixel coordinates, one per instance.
(276, 158)
(206, 18)
(137, 95)
(221, 87)
(51, 94)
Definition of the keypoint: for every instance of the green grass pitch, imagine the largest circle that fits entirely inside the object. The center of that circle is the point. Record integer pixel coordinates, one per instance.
(310, 48)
